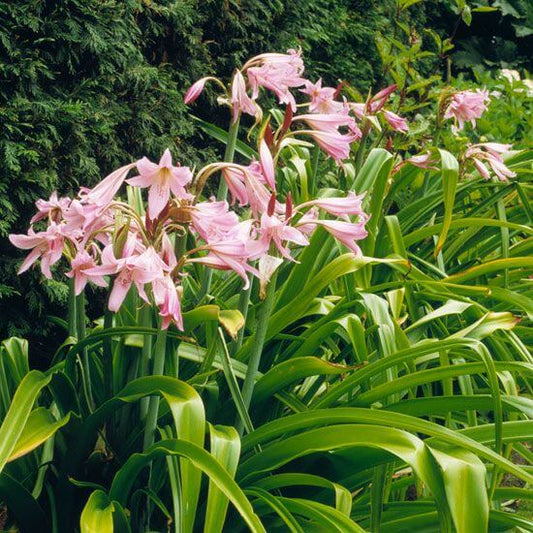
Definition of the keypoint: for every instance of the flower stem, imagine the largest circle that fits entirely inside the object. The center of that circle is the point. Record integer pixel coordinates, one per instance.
(71, 316)
(108, 355)
(145, 319)
(257, 346)
(157, 370)
(228, 156)
(80, 323)
(242, 306)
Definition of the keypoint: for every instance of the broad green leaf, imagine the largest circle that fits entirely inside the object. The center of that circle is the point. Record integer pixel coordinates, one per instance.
(22, 505)
(97, 515)
(19, 412)
(347, 415)
(294, 369)
(40, 426)
(126, 476)
(225, 448)
(450, 175)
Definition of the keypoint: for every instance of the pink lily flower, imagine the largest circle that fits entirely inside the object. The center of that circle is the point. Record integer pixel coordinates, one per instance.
(240, 101)
(46, 245)
(336, 145)
(267, 164)
(195, 90)
(213, 220)
(268, 264)
(231, 253)
(278, 231)
(306, 224)
(331, 123)
(235, 180)
(162, 178)
(53, 208)
(246, 185)
(396, 122)
(79, 264)
(105, 191)
(167, 298)
(377, 102)
(340, 207)
(322, 98)
(346, 232)
(467, 106)
(138, 269)
(425, 161)
(278, 73)
(359, 109)
(490, 153)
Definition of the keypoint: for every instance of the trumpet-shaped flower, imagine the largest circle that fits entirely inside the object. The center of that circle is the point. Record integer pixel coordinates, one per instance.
(336, 145)
(105, 191)
(278, 231)
(330, 123)
(195, 90)
(340, 207)
(132, 268)
(267, 164)
(52, 208)
(167, 298)
(46, 245)
(348, 233)
(277, 73)
(240, 101)
(467, 106)
(425, 161)
(161, 178)
(491, 154)
(396, 122)
(79, 265)
(322, 98)
(377, 102)
(213, 220)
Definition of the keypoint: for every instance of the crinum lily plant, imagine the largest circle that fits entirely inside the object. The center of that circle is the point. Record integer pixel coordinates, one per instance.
(258, 248)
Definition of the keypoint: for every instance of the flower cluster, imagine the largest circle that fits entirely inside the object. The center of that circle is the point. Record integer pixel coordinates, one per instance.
(467, 106)
(150, 247)
(331, 122)
(484, 154)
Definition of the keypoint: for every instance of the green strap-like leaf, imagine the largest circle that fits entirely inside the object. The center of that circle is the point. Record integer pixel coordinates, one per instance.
(293, 370)
(97, 515)
(450, 175)
(40, 426)
(226, 449)
(22, 506)
(19, 412)
(126, 476)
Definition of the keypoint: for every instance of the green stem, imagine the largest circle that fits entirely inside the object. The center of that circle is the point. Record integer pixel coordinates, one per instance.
(243, 306)
(71, 317)
(257, 345)
(314, 166)
(108, 355)
(145, 320)
(502, 215)
(80, 323)
(360, 153)
(233, 132)
(157, 370)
